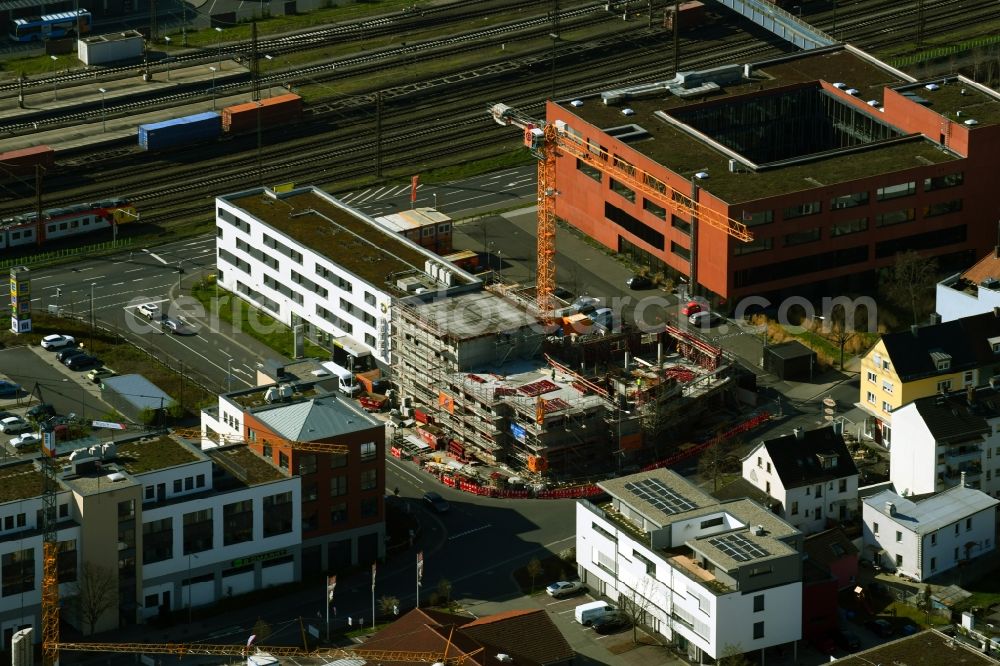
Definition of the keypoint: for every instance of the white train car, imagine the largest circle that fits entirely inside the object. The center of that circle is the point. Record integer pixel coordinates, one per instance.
(21, 230)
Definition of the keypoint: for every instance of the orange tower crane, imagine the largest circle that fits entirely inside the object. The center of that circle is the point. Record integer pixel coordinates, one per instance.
(546, 140)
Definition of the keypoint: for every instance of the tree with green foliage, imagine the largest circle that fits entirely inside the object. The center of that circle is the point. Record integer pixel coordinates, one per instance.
(444, 591)
(388, 605)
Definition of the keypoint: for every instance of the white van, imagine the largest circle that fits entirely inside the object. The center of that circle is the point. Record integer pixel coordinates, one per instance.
(346, 383)
(587, 613)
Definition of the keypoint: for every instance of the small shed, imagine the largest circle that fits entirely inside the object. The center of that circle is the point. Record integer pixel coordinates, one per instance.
(113, 47)
(131, 395)
(791, 361)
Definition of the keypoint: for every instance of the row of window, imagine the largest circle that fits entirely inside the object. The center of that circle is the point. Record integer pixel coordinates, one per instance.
(315, 288)
(257, 254)
(340, 282)
(283, 289)
(341, 324)
(253, 294)
(275, 244)
(231, 259)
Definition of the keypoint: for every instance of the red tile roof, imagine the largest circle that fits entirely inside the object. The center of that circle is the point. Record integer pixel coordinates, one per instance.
(499, 617)
(988, 266)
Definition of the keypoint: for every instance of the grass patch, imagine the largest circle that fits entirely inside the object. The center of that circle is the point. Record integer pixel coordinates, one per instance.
(42, 65)
(918, 617)
(266, 329)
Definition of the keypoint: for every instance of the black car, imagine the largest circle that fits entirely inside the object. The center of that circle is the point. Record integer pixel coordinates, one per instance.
(847, 640)
(64, 354)
(435, 502)
(609, 623)
(41, 411)
(639, 282)
(83, 362)
(880, 627)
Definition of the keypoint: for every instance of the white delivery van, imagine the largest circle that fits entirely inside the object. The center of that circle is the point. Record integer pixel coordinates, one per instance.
(587, 613)
(345, 379)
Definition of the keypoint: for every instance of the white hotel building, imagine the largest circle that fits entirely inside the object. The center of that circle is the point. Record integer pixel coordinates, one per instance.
(304, 255)
(713, 577)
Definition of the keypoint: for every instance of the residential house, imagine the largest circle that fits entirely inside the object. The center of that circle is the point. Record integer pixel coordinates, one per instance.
(975, 291)
(834, 552)
(924, 361)
(522, 637)
(810, 472)
(941, 438)
(710, 576)
(922, 537)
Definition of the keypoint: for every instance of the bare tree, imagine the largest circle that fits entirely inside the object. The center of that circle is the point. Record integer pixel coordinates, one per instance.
(261, 629)
(910, 279)
(635, 604)
(732, 655)
(533, 569)
(718, 459)
(96, 593)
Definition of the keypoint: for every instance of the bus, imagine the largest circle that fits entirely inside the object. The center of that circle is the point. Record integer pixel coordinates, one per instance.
(51, 26)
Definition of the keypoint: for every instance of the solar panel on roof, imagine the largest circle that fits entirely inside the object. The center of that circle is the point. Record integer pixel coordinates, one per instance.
(738, 547)
(656, 493)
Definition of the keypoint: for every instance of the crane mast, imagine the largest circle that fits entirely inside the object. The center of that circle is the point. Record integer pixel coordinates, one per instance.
(547, 141)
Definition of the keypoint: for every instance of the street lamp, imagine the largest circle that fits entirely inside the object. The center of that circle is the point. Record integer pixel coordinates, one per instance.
(92, 285)
(55, 92)
(168, 58)
(104, 118)
(213, 86)
(218, 44)
(268, 57)
(229, 375)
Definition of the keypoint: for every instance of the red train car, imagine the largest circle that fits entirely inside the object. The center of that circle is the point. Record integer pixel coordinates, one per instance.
(274, 110)
(22, 162)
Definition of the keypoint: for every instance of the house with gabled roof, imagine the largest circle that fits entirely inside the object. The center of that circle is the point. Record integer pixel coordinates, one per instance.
(524, 637)
(810, 473)
(832, 551)
(924, 361)
(921, 538)
(944, 438)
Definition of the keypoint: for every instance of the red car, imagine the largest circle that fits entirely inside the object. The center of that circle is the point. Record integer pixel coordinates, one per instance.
(691, 308)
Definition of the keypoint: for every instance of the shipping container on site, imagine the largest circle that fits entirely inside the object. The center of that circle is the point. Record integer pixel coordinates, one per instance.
(179, 132)
(23, 161)
(241, 118)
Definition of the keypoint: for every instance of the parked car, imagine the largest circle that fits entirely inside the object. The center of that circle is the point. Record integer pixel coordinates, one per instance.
(705, 319)
(97, 375)
(6, 415)
(150, 311)
(436, 503)
(9, 389)
(57, 341)
(63, 354)
(565, 588)
(639, 282)
(585, 304)
(693, 306)
(42, 410)
(847, 640)
(82, 362)
(609, 623)
(880, 627)
(27, 439)
(14, 425)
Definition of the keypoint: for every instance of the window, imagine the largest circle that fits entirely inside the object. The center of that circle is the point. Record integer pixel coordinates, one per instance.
(369, 298)
(157, 540)
(895, 217)
(767, 487)
(899, 536)
(603, 532)
(887, 386)
(874, 528)
(849, 200)
(941, 182)
(588, 170)
(886, 407)
(848, 227)
(338, 460)
(842, 486)
(650, 564)
(712, 522)
(819, 491)
(368, 451)
(177, 485)
(338, 486)
(758, 218)
(760, 571)
(759, 463)
(310, 492)
(768, 468)
(237, 525)
(758, 603)
(967, 378)
(803, 209)
(795, 509)
(871, 397)
(896, 191)
(680, 251)
(369, 507)
(933, 564)
(934, 539)
(944, 387)
(758, 630)
(758, 244)
(338, 513)
(803, 236)
(654, 209)
(620, 189)
(968, 524)
(277, 514)
(943, 208)
(872, 377)
(307, 463)
(369, 479)
(17, 572)
(681, 225)
(198, 529)
(819, 513)
(899, 560)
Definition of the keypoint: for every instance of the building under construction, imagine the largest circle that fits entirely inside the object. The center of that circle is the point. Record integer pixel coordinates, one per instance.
(493, 382)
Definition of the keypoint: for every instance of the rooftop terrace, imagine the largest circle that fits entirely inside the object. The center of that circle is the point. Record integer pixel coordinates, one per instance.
(338, 233)
(244, 465)
(685, 154)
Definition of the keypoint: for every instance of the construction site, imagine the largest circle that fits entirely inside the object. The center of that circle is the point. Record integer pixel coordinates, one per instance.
(485, 378)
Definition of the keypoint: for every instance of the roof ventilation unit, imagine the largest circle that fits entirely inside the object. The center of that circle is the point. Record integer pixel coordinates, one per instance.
(628, 112)
(758, 530)
(576, 103)
(852, 91)
(971, 121)
(839, 86)
(874, 102)
(505, 658)
(701, 175)
(932, 86)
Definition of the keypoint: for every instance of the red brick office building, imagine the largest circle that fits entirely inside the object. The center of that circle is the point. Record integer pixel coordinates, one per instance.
(834, 161)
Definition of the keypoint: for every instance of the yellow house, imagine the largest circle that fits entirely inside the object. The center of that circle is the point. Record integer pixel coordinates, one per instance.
(927, 360)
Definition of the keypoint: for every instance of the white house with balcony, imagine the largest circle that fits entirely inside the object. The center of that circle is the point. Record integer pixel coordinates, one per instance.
(810, 473)
(304, 256)
(711, 577)
(925, 537)
(945, 437)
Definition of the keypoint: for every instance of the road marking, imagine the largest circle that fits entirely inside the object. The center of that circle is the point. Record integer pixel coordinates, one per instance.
(133, 270)
(402, 470)
(158, 258)
(241, 371)
(468, 532)
(117, 284)
(136, 280)
(86, 268)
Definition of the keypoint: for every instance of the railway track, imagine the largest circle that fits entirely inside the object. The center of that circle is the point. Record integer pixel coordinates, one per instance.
(466, 128)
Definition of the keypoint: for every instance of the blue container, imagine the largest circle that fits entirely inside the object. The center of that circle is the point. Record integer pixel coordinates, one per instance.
(178, 132)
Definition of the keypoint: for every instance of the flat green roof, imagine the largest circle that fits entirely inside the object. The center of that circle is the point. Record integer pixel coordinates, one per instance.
(20, 481)
(363, 248)
(951, 96)
(148, 455)
(686, 155)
